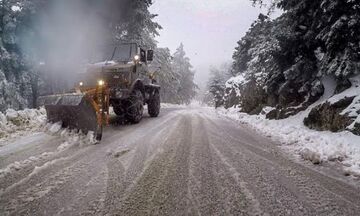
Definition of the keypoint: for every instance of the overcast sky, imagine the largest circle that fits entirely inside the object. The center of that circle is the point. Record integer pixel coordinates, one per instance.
(209, 29)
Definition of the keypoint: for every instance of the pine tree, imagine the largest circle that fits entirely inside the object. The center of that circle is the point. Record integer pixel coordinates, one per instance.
(131, 20)
(331, 27)
(284, 60)
(168, 79)
(15, 78)
(181, 65)
(216, 83)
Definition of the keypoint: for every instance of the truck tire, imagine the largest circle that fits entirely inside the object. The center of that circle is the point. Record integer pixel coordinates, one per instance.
(135, 107)
(118, 110)
(154, 104)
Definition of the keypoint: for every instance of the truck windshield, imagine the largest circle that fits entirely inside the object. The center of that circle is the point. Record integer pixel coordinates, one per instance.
(122, 52)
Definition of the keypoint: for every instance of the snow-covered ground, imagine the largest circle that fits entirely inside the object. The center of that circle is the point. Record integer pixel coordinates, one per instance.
(19, 129)
(343, 147)
(295, 137)
(193, 104)
(17, 124)
(169, 105)
(316, 146)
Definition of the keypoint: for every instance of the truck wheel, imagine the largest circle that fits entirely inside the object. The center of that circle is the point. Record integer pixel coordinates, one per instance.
(135, 108)
(118, 111)
(154, 105)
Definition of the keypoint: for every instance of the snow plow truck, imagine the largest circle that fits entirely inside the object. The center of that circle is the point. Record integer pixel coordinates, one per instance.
(121, 80)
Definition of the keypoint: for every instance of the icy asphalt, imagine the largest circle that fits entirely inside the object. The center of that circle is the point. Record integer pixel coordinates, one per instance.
(187, 161)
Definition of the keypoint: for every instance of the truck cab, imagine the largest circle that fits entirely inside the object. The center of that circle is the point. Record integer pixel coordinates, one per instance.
(124, 72)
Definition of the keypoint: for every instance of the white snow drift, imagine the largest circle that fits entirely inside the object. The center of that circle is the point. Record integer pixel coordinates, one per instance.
(17, 123)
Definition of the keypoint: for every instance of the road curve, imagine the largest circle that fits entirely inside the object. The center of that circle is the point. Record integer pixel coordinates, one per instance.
(185, 162)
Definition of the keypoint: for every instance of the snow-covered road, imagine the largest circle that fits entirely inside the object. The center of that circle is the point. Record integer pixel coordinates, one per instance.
(188, 161)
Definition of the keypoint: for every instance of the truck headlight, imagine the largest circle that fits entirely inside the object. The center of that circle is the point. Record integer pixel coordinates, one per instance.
(136, 57)
(81, 83)
(101, 82)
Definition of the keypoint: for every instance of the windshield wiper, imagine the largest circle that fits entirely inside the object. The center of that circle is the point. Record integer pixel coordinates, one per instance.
(113, 54)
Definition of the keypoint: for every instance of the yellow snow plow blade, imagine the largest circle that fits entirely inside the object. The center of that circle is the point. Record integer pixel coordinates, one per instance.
(75, 111)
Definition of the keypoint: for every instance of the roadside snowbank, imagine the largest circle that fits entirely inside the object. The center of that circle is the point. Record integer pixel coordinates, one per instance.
(15, 124)
(18, 123)
(316, 146)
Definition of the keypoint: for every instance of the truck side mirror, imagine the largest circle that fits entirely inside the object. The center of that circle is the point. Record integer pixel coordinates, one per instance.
(150, 55)
(142, 55)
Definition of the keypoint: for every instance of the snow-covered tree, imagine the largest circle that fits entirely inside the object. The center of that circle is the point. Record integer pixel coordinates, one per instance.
(131, 20)
(254, 61)
(15, 77)
(284, 60)
(168, 79)
(331, 27)
(216, 83)
(181, 65)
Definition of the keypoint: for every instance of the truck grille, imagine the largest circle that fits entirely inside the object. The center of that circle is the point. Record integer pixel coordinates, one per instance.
(116, 79)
